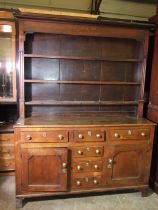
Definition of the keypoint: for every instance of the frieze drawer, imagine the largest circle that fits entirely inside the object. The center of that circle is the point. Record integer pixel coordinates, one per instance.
(128, 134)
(45, 136)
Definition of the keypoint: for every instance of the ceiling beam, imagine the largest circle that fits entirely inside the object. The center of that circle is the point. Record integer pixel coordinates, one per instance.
(95, 6)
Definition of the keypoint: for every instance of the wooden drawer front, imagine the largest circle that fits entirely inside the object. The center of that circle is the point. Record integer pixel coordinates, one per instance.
(7, 164)
(88, 151)
(6, 151)
(87, 166)
(129, 134)
(80, 182)
(7, 138)
(88, 135)
(45, 136)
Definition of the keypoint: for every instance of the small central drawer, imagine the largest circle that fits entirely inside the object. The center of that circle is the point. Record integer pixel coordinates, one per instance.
(45, 136)
(89, 135)
(86, 181)
(88, 151)
(128, 134)
(87, 166)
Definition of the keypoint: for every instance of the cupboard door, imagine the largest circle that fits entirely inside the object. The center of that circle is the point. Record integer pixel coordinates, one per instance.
(127, 165)
(44, 169)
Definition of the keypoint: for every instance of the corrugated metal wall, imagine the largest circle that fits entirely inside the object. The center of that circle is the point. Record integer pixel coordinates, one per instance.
(124, 9)
(61, 4)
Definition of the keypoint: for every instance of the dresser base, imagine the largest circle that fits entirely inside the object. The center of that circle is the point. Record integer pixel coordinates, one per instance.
(23, 198)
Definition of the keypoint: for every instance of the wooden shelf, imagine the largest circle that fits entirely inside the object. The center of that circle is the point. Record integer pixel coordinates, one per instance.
(82, 82)
(82, 58)
(85, 103)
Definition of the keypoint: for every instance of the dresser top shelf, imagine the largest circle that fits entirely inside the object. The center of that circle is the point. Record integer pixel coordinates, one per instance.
(93, 119)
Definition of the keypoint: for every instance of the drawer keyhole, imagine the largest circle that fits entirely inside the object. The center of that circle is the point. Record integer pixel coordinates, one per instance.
(129, 132)
(44, 134)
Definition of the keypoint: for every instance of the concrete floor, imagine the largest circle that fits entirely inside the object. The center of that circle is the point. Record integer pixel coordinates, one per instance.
(114, 201)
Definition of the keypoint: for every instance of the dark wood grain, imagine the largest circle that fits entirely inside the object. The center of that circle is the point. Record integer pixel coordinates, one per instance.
(65, 69)
(81, 86)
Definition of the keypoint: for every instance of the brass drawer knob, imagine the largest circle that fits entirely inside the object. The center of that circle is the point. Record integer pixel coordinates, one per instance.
(110, 163)
(98, 136)
(78, 183)
(143, 134)
(28, 137)
(60, 137)
(95, 181)
(96, 166)
(64, 165)
(97, 151)
(117, 135)
(80, 136)
(80, 152)
(79, 168)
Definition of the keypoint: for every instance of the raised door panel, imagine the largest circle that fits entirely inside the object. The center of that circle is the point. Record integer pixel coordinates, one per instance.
(127, 165)
(44, 169)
